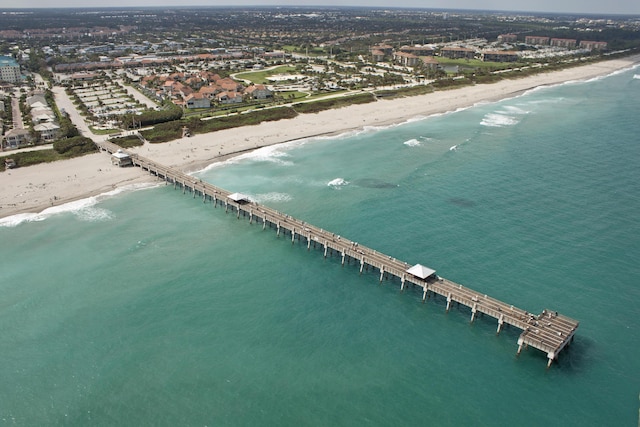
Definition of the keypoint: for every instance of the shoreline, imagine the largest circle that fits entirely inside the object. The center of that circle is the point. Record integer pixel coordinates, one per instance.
(36, 188)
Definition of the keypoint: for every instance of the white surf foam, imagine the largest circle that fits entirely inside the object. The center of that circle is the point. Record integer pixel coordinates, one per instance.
(83, 209)
(585, 80)
(94, 214)
(14, 220)
(72, 207)
(412, 143)
(498, 120)
(272, 154)
(337, 183)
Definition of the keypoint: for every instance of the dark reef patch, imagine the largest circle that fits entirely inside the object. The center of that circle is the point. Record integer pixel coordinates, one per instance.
(462, 202)
(373, 183)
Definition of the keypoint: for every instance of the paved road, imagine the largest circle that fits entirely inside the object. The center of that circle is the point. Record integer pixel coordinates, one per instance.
(141, 98)
(34, 148)
(17, 114)
(64, 102)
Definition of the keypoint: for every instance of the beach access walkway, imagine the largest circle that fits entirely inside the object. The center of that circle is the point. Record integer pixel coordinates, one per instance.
(549, 332)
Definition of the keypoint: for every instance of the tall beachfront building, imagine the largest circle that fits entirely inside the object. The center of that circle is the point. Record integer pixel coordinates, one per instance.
(9, 70)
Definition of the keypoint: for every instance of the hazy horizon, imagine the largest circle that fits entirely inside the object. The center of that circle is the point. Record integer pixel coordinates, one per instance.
(617, 7)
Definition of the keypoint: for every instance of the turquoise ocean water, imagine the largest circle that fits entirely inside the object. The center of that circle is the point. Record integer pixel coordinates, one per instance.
(151, 308)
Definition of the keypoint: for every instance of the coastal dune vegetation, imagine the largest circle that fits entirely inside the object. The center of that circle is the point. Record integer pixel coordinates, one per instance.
(62, 149)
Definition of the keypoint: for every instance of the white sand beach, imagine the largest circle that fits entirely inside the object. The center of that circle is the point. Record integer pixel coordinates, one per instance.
(35, 188)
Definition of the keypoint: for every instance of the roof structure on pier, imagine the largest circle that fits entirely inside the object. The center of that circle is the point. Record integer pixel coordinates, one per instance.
(121, 158)
(120, 155)
(421, 271)
(239, 197)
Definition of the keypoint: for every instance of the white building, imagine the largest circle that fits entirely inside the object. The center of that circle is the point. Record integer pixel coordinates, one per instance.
(48, 131)
(9, 70)
(16, 138)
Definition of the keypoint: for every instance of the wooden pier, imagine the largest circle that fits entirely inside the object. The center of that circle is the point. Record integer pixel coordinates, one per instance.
(549, 331)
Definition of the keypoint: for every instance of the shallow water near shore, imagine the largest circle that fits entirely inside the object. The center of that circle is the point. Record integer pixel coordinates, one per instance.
(153, 308)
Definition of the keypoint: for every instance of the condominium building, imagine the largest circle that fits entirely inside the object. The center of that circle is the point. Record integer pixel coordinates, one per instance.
(592, 45)
(9, 70)
(568, 43)
(537, 40)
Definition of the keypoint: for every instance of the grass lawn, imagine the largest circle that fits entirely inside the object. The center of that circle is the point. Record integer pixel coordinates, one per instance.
(292, 95)
(476, 63)
(314, 51)
(260, 77)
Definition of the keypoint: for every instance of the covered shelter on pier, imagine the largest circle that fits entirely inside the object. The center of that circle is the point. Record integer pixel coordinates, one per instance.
(120, 158)
(422, 272)
(239, 198)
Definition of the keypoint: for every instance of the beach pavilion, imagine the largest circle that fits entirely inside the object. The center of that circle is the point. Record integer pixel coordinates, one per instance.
(121, 159)
(239, 198)
(421, 271)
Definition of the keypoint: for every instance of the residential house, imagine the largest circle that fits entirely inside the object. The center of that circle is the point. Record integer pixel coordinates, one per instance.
(168, 86)
(16, 138)
(197, 100)
(36, 98)
(48, 131)
(406, 59)
(430, 63)
(42, 115)
(229, 84)
(209, 92)
(384, 48)
(177, 76)
(229, 97)
(377, 55)
(258, 92)
(195, 82)
(176, 89)
(185, 91)
(210, 77)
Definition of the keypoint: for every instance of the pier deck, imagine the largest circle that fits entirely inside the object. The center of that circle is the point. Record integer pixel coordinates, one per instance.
(549, 331)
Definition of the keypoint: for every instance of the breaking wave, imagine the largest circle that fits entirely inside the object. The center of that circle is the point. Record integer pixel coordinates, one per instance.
(337, 183)
(498, 120)
(507, 115)
(83, 209)
(412, 143)
(417, 142)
